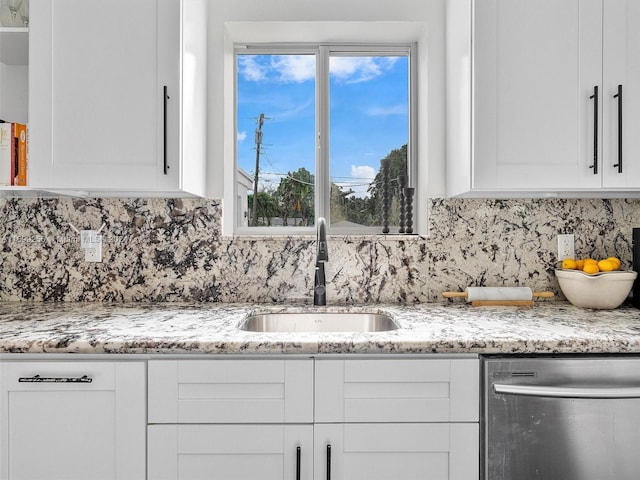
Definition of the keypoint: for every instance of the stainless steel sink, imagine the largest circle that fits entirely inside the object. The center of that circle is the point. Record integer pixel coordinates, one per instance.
(319, 322)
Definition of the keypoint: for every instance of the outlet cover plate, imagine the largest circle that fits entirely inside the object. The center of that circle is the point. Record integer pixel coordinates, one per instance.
(566, 247)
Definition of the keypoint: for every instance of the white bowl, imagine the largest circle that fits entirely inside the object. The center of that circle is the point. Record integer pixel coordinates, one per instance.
(604, 290)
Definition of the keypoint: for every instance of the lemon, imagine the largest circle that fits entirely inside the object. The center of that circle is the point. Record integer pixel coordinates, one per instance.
(590, 260)
(606, 265)
(591, 267)
(579, 264)
(616, 261)
(569, 264)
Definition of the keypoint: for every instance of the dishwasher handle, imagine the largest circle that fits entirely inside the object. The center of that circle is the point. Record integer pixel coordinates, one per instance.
(567, 392)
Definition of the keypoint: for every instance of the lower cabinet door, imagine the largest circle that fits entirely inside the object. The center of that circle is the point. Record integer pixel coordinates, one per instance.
(230, 452)
(72, 420)
(403, 451)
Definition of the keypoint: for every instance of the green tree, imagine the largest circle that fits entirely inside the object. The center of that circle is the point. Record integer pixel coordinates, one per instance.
(266, 209)
(347, 207)
(295, 198)
(398, 167)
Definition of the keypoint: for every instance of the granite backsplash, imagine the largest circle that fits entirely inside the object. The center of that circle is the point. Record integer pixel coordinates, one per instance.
(173, 250)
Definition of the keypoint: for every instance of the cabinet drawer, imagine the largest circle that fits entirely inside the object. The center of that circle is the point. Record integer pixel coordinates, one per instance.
(419, 451)
(397, 390)
(231, 391)
(239, 452)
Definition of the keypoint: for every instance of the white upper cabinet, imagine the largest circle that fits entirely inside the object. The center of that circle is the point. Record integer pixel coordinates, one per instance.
(530, 96)
(621, 114)
(117, 95)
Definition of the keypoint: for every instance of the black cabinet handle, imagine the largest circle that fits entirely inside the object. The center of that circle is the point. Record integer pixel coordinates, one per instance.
(329, 462)
(595, 130)
(298, 454)
(39, 379)
(619, 97)
(165, 97)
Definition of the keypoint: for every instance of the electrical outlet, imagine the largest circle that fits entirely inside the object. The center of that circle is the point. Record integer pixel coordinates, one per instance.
(93, 254)
(91, 243)
(566, 248)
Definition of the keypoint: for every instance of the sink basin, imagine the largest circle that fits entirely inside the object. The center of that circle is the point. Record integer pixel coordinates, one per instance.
(319, 322)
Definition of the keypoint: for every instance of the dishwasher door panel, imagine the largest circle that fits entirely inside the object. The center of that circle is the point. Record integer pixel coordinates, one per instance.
(535, 435)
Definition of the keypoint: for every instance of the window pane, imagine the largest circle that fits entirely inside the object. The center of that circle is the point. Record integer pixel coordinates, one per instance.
(276, 139)
(369, 121)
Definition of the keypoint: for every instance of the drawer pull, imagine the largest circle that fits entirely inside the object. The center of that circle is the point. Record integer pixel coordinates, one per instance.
(329, 462)
(298, 453)
(165, 98)
(594, 97)
(39, 379)
(619, 97)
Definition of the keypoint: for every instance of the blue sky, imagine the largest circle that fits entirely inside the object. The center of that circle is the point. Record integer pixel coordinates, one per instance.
(369, 117)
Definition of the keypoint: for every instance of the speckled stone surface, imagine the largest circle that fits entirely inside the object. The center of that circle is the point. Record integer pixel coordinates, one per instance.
(171, 328)
(172, 250)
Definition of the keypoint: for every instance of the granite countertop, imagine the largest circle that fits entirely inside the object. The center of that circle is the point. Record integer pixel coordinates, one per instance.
(551, 327)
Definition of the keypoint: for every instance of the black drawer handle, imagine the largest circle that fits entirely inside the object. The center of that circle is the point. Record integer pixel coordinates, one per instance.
(298, 454)
(329, 462)
(165, 97)
(619, 97)
(595, 130)
(39, 379)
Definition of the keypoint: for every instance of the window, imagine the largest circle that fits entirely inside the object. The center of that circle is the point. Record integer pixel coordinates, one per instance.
(313, 124)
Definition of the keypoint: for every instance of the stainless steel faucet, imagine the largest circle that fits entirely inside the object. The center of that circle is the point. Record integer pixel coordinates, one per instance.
(322, 256)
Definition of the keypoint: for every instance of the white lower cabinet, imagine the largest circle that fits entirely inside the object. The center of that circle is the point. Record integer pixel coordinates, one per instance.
(403, 451)
(230, 452)
(72, 420)
(352, 419)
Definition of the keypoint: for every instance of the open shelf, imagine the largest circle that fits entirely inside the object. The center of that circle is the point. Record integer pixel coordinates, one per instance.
(14, 45)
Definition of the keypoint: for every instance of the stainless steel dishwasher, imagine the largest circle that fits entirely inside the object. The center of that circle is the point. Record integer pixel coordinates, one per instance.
(561, 418)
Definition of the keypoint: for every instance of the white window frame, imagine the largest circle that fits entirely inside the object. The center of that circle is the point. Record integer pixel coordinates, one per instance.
(323, 52)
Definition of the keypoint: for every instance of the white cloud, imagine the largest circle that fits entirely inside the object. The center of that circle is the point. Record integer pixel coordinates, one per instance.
(359, 69)
(277, 68)
(301, 68)
(362, 176)
(250, 69)
(241, 136)
(269, 182)
(294, 68)
(294, 111)
(363, 172)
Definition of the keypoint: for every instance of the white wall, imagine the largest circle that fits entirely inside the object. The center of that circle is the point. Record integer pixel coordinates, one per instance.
(431, 73)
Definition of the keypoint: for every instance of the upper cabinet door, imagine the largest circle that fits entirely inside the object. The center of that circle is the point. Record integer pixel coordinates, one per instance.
(621, 122)
(95, 115)
(535, 66)
(106, 105)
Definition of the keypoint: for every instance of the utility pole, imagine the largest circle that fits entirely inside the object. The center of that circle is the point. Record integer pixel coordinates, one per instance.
(254, 218)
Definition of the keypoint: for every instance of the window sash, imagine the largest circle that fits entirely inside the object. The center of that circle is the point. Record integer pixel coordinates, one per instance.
(323, 54)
